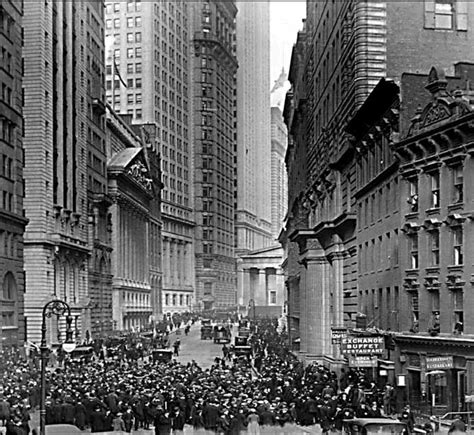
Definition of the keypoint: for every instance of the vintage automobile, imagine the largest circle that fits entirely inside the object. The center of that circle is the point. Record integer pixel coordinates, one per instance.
(368, 426)
(162, 355)
(82, 353)
(206, 332)
(205, 322)
(241, 346)
(221, 334)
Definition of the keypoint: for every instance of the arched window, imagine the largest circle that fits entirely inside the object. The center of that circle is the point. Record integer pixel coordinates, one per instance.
(9, 287)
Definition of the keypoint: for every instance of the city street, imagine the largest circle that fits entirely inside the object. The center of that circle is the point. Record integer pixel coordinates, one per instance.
(193, 348)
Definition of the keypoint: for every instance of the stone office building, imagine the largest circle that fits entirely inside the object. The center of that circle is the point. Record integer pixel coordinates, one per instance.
(12, 220)
(214, 67)
(132, 187)
(64, 143)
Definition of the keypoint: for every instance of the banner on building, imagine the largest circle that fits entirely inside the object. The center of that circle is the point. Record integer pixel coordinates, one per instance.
(337, 334)
(352, 345)
(439, 362)
(362, 361)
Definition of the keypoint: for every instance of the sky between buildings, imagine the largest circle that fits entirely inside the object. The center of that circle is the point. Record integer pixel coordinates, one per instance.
(285, 22)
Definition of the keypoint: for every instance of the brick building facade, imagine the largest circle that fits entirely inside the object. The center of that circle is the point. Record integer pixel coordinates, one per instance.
(339, 58)
(435, 351)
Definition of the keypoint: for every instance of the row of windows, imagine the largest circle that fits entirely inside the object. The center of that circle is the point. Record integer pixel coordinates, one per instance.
(379, 204)
(454, 248)
(183, 300)
(379, 253)
(132, 6)
(381, 306)
(9, 244)
(457, 311)
(456, 183)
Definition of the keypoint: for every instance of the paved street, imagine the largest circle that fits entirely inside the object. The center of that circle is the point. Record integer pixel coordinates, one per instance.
(193, 348)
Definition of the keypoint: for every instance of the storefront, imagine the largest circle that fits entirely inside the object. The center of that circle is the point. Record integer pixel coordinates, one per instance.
(438, 371)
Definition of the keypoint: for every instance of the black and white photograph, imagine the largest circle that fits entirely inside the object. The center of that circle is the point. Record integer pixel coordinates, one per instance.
(236, 217)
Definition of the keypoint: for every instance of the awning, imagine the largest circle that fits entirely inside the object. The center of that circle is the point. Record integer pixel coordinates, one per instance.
(386, 364)
(436, 372)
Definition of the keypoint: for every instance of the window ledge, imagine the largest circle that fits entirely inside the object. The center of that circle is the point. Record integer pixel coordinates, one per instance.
(412, 271)
(432, 211)
(456, 268)
(456, 206)
(432, 269)
(412, 214)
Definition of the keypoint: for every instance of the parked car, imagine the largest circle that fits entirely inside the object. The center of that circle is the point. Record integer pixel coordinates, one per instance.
(368, 426)
(221, 334)
(84, 353)
(241, 346)
(162, 355)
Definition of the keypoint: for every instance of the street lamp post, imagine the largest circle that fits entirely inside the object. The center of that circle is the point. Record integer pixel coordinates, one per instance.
(57, 308)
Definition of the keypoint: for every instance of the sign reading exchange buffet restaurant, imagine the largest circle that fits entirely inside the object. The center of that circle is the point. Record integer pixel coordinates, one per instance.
(363, 345)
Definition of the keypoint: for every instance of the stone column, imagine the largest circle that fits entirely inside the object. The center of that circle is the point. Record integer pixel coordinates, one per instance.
(318, 305)
(261, 293)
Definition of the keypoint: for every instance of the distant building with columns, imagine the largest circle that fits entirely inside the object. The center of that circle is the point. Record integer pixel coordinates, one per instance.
(262, 282)
(132, 186)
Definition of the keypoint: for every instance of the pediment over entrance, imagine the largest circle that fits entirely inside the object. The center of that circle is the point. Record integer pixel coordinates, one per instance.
(132, 162)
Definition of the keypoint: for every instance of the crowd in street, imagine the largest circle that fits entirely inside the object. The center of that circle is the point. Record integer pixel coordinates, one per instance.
(271, 394)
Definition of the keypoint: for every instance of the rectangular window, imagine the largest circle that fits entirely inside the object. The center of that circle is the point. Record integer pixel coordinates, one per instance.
(413, 194)
(138, 21)
(458, 246)
(434, 181)
(129, 22)
(413, 241)
(130, 37)
(130, 53)
(138, 82)
(458, 184)
(117, 23)
(138, 52)
(273, 297)
(138, 37)
(439, 14)
(138, 98)
(434, 246)
(130, 98)
(138, 68)
(129, 68)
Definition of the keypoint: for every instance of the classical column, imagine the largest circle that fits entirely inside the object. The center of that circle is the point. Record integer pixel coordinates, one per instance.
(261, 294)
(318, 304)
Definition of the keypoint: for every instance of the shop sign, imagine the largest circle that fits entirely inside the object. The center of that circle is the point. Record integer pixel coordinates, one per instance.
(362, 361)
(337, 334)
(363, 345)
(439, 362)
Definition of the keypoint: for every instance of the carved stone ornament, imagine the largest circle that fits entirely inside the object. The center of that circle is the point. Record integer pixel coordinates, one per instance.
(139, 173)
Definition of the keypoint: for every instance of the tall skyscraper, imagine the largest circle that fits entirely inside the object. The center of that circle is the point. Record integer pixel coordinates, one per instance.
(12, 221)
(214, 66)
(253, 214)
(148, 77)
(279, 138)
(64, 143)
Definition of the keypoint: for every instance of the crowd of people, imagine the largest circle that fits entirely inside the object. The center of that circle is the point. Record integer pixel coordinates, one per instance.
(270, 394)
